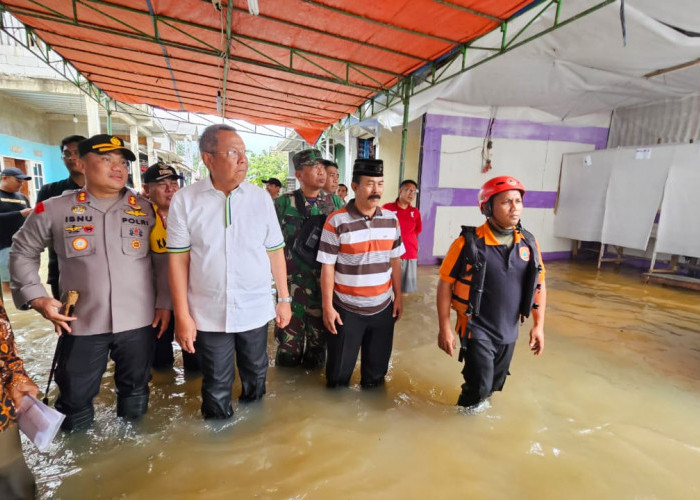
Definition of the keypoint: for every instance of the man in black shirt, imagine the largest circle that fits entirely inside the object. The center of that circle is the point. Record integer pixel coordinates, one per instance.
(14, 208)
(75, 180)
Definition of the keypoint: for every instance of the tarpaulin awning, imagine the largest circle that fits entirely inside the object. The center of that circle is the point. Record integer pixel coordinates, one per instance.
(304, 64)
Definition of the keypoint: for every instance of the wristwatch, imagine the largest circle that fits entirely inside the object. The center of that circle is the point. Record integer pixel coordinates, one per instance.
(284, 299)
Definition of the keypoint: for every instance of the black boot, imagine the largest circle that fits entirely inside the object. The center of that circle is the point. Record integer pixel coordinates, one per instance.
(78, 421)
(132, 407)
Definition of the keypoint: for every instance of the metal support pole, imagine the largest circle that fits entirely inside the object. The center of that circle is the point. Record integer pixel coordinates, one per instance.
(93, 116)
(404, 131)
(136, 165)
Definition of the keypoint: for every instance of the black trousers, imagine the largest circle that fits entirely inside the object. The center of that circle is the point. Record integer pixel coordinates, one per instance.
(485, 370)
(82, 362)
(163, 357)
(216, 351)
(373, 335)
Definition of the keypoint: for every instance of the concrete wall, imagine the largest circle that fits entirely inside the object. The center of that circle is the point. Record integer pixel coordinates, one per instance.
(390, 152)
(23, 136)
(529, 150)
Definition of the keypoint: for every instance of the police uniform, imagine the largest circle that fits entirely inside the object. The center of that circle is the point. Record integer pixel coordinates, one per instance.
(103, 253)
(47, 191)
(301, 342)
(489, 296)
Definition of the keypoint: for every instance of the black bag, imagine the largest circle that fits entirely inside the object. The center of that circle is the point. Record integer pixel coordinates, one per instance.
(308, 239)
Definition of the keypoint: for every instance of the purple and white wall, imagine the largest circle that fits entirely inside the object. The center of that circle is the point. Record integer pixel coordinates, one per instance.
(531, 151)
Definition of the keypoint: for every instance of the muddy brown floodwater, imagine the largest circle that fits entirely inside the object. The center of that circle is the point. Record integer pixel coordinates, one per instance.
(610, 410)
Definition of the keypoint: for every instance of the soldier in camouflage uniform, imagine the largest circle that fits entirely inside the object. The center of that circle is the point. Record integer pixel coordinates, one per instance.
(302, 341)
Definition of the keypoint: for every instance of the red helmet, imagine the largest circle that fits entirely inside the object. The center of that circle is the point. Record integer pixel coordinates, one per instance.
(497, 185)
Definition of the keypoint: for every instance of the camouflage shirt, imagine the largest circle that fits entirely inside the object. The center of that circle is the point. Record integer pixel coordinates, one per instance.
(292, 219)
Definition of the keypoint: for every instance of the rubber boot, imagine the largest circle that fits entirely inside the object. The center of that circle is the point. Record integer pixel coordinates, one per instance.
(78, 421)
(132, 407)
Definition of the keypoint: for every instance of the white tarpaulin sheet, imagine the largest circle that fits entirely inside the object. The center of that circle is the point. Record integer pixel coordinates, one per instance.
(581, 68)
(634, 194)
(581, 203)
(613, 196)
(679, 230)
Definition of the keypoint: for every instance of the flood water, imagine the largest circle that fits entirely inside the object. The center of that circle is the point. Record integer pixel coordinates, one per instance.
(610, 410)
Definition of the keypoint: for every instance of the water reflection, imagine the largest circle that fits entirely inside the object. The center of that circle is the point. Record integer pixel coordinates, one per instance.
(609, 410)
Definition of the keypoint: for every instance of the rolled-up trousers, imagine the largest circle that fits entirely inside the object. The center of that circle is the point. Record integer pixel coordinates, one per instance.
(216, 352)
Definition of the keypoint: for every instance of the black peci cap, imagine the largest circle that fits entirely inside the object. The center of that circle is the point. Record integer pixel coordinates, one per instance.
(369, 167)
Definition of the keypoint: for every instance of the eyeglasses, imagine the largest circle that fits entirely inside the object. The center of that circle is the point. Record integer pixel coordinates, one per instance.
(231, 153)
(70, 154)
(410, 190)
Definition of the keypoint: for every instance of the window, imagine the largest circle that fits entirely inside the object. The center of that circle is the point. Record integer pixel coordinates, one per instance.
(365, 148)
(37, 175)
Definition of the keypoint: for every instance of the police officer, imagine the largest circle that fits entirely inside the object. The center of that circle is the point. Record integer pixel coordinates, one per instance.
(492, 276)
(101, 236)
(301, 342)
(160, 183)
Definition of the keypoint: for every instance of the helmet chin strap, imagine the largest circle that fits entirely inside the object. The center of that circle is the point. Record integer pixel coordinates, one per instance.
(500, 229)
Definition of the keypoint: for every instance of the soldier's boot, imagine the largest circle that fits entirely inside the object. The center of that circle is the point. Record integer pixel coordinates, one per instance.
(77, 421)
(132, 407)
(287, 359)
(314, 357)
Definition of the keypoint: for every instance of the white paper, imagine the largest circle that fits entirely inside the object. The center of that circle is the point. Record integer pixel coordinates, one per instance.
(39, 422)
(642, 154)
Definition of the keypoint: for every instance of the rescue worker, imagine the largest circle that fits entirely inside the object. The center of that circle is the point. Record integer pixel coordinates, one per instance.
(75, 180)
(492, 276)
(101, 236)
(160, 183)
(301, 342)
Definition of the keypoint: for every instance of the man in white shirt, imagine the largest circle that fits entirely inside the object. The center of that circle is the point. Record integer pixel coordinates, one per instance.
(224, 241)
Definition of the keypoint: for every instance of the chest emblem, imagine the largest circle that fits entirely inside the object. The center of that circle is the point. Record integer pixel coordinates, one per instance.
(136, 212)
(73, 228)
(88, 228)
(80, 244)
(524, 253)
(136, 244)
(78, 209)
(136, 231)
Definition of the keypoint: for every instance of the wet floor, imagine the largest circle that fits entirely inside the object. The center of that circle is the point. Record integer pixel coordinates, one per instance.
(609, 411)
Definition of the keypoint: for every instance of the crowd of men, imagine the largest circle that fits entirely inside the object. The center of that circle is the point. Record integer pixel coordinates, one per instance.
(193, 264)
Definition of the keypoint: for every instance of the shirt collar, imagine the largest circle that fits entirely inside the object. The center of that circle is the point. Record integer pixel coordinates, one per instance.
(352, 210)
(208, 186)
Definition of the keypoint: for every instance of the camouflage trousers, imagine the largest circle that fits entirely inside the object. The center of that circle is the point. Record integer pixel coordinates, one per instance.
(302, 341)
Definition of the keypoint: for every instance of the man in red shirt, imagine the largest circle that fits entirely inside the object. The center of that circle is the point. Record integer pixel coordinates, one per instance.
(411, 226)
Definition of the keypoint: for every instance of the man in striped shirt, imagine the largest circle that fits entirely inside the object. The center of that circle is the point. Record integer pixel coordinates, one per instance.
(361, 280)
